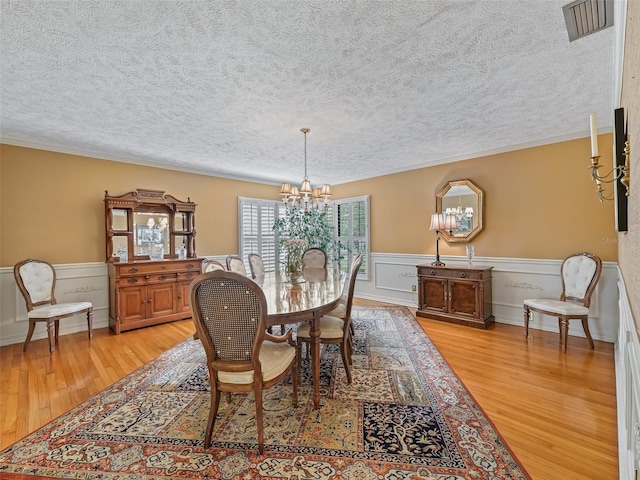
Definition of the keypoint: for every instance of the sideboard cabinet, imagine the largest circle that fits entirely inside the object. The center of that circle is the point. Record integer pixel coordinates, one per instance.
(144, 293)
(455, 294)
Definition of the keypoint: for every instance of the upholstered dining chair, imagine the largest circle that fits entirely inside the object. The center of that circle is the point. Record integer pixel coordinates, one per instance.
(256, 266)
(209, 265)
(229, 312)
(335, 329)
(314, 257)
(235, 264)
(579, 274)
(36, 280)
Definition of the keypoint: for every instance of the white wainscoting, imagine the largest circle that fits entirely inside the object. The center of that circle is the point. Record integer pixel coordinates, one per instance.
(627, 357)
(514, 279)
(391, 280)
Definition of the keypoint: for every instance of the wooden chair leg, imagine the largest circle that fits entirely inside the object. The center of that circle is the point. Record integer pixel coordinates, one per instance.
(51, 327)
(57, 330)
(345, 361)
(90, 322)
(213, 413)
(32, 327)
(299, 357)
(585, 326)
(527, 316)
(294, 380)
(259, 418)
(564, 333)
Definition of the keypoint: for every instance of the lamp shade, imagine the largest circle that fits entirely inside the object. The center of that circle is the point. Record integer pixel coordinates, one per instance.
(285, 189)
(437, 222)
(305, 189)
(450, 222)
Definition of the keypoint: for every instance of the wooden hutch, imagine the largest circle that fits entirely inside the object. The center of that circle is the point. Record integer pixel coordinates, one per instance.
(151, 258)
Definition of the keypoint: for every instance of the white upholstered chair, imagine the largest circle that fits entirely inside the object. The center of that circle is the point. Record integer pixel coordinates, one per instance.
(256, 266)
(36, 280)
(579, 275)
(314, 257)
(211, 265)
(335, 329)
(235, 264)
(229, 312)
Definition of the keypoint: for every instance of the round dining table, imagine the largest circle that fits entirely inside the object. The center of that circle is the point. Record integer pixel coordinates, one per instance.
(317, 292)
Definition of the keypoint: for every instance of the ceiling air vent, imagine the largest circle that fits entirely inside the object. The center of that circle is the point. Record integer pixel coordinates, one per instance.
(584, 17)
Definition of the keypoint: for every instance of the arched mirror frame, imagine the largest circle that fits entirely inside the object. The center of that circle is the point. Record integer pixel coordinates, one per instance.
(450, 237)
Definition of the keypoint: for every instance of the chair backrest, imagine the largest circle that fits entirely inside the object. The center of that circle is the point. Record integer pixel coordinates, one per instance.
(235, 264)
(350, 285)
(314, 257)
(36, 280)
(211, 265)
(229, 312)
(580, 274)
(256, 265)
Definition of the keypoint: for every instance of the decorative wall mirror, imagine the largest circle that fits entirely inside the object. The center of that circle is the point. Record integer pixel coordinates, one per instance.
(464, 200)
(149, 225)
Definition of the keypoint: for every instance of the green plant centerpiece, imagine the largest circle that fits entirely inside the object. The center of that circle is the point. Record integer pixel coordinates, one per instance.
(298, 230)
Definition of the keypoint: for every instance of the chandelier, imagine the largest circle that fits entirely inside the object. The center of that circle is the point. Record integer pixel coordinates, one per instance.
(305, 197)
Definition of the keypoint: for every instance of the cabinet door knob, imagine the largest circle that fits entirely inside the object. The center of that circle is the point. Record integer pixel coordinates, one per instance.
(162, 277)
(432, 272)
(462, 275)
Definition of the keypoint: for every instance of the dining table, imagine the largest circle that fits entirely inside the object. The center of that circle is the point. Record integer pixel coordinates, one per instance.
(304, 299)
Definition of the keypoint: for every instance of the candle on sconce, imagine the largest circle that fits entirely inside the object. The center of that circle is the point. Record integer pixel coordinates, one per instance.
(594, 136)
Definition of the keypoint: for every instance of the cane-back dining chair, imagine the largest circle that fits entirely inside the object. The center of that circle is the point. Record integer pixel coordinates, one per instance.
(334, 329)
(235, 264)
(229, 312)
(36, 280)
(579, 275)
(256, 266)
(314, 257)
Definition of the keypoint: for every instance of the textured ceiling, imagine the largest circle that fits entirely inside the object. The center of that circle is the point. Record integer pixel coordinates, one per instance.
(223, 87)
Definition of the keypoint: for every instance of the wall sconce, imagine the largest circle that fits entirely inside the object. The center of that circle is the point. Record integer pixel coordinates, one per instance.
(441, 221)
(620, 172)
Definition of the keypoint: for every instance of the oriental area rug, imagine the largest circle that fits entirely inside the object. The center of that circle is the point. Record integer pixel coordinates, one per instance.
(405, 416)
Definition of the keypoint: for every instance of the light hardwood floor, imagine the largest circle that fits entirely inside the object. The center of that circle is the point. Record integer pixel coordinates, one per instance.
(557, 412)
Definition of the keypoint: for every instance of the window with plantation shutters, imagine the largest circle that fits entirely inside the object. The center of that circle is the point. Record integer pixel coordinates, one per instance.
(256, 230)
(351, 222)
(350, 217)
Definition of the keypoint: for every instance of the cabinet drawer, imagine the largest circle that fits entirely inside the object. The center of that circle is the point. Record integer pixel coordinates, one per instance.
(146, 279)
(454, 273)
(142, 268)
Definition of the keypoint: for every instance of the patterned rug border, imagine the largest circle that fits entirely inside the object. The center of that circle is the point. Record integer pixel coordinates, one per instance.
(147, 372)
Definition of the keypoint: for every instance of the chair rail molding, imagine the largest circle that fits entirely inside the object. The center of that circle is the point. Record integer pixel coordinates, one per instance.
(74, 283)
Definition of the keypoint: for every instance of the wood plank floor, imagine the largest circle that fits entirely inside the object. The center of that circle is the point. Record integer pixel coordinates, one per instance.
(557, 412)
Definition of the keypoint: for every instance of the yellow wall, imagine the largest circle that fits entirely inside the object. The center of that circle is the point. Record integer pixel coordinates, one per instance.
(539, 203)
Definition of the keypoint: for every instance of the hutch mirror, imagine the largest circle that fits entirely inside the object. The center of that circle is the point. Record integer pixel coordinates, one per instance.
(464, 200)
(149, 225)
